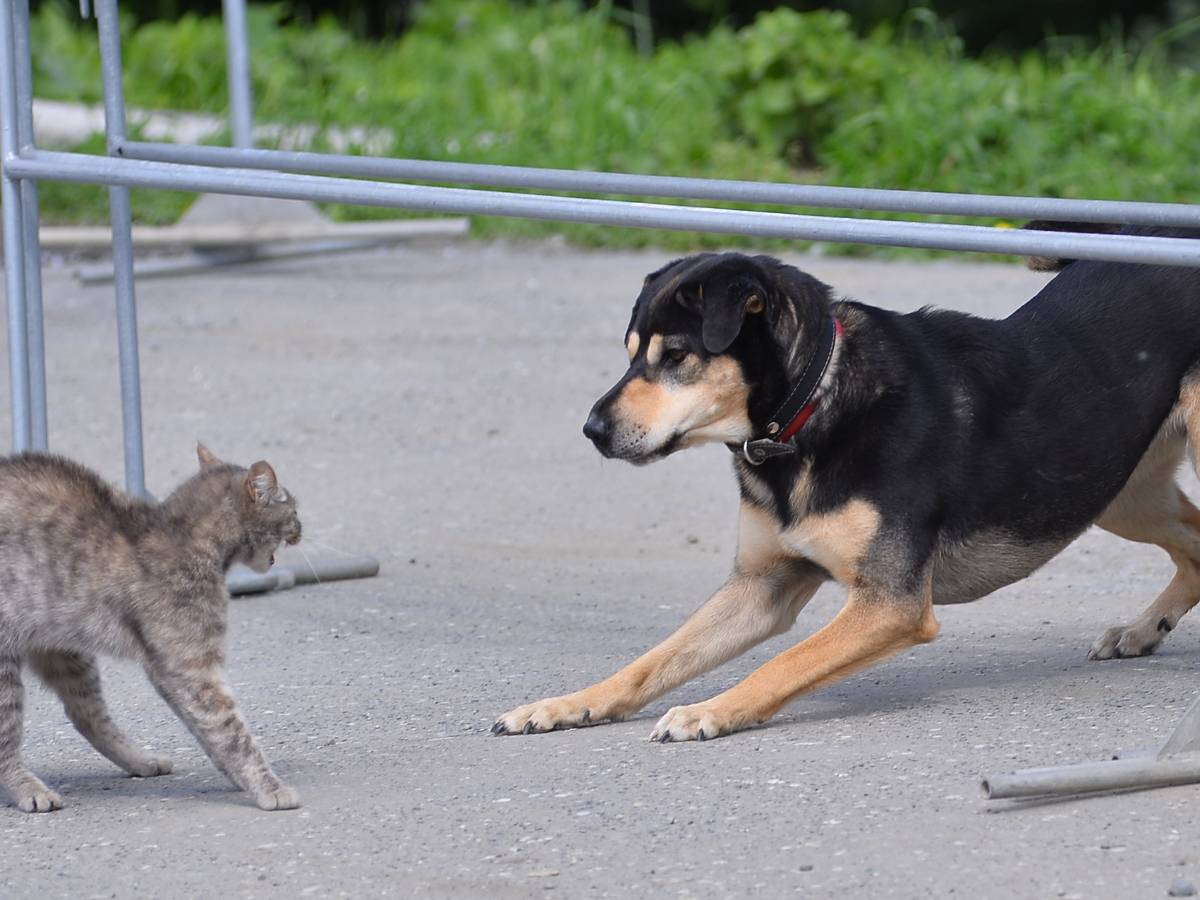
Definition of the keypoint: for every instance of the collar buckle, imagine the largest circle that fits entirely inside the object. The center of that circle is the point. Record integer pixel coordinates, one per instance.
(797, 408)
(758, 452)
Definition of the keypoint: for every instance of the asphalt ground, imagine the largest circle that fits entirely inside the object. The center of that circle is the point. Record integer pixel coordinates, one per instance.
(424, 403)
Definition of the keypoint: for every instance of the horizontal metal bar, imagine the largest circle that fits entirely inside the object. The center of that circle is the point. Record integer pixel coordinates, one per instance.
(77, 167)
(813, 195)
(240, 234)
(1116, 774)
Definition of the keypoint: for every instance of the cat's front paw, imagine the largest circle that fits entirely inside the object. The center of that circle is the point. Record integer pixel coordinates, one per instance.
(279, 798)
(39, 801)
(150, 766)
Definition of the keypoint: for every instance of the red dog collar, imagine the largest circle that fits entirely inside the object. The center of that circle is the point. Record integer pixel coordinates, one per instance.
(797, 408)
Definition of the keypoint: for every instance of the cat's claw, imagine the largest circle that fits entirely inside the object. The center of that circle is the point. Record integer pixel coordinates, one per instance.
(282, 797)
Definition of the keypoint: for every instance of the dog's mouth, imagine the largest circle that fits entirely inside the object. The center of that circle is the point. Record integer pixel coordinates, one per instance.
(662, 451)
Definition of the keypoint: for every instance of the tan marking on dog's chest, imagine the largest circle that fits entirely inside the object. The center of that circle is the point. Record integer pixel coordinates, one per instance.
(759, 548)
(837, 541)
(1188, 408)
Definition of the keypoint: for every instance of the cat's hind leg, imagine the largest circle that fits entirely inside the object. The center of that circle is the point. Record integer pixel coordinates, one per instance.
(27, 790)
(76, 680)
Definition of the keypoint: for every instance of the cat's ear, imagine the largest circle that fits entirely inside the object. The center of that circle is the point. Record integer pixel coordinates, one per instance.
(261, 483)
(207, 460)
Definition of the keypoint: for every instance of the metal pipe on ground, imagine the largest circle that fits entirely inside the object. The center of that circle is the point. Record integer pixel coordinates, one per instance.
(205, 260)
(243, 581)
(85, 168)
(1178, 762)
(811, 195)
(1113, 775)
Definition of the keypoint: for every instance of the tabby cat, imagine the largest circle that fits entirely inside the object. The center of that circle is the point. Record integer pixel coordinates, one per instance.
(86, 570)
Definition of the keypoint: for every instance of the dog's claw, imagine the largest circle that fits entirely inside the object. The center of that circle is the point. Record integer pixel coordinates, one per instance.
(666, 736)
(499, 728)
(587, 716)
(528, 729)
(700, 735)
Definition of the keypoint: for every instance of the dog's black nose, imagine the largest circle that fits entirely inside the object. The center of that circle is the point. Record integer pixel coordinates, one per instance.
(596, 430)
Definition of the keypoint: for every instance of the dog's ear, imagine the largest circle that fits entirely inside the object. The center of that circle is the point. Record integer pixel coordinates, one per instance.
(723, 296)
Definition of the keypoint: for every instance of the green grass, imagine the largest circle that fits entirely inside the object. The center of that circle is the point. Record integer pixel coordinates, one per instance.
(793, 97)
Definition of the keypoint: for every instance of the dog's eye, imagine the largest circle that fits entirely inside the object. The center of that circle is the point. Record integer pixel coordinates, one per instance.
(675, 356)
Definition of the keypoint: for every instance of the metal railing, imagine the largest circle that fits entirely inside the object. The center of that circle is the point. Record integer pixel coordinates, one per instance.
(387, 182)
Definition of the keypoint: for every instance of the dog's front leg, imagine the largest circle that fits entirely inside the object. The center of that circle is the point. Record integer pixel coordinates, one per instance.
(754, 604)
(872, 626)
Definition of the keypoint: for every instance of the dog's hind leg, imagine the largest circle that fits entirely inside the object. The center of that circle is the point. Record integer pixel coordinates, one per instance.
(1152, 509)
(761, 599)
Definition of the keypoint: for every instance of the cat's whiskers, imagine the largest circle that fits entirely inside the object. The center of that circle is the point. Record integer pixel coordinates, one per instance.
(308, 562)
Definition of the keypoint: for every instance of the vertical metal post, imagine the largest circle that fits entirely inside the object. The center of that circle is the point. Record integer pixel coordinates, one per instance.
(14, 251)
(34, 319)
(643, 27)
(237, 73)
(122, 250)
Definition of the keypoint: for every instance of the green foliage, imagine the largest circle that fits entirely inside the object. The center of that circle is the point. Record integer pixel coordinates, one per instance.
(65, 203)
(790, 77)
(790, 97)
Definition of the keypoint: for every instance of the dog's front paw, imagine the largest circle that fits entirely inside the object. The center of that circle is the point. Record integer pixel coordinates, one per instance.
(698, 722)
(1137, 639)
(551, 714)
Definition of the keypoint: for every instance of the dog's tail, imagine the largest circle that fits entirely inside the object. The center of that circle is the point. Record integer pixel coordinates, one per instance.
(1054, 263)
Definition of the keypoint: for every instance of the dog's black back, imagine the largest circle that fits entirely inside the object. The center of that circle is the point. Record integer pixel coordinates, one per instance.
(955, 426)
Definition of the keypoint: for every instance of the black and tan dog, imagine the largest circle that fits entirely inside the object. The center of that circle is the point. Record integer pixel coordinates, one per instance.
(916, 459)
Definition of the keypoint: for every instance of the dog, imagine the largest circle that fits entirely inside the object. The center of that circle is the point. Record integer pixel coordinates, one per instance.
(917, 459)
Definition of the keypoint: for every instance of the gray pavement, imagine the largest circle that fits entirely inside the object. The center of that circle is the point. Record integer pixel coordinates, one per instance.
(424, 403)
